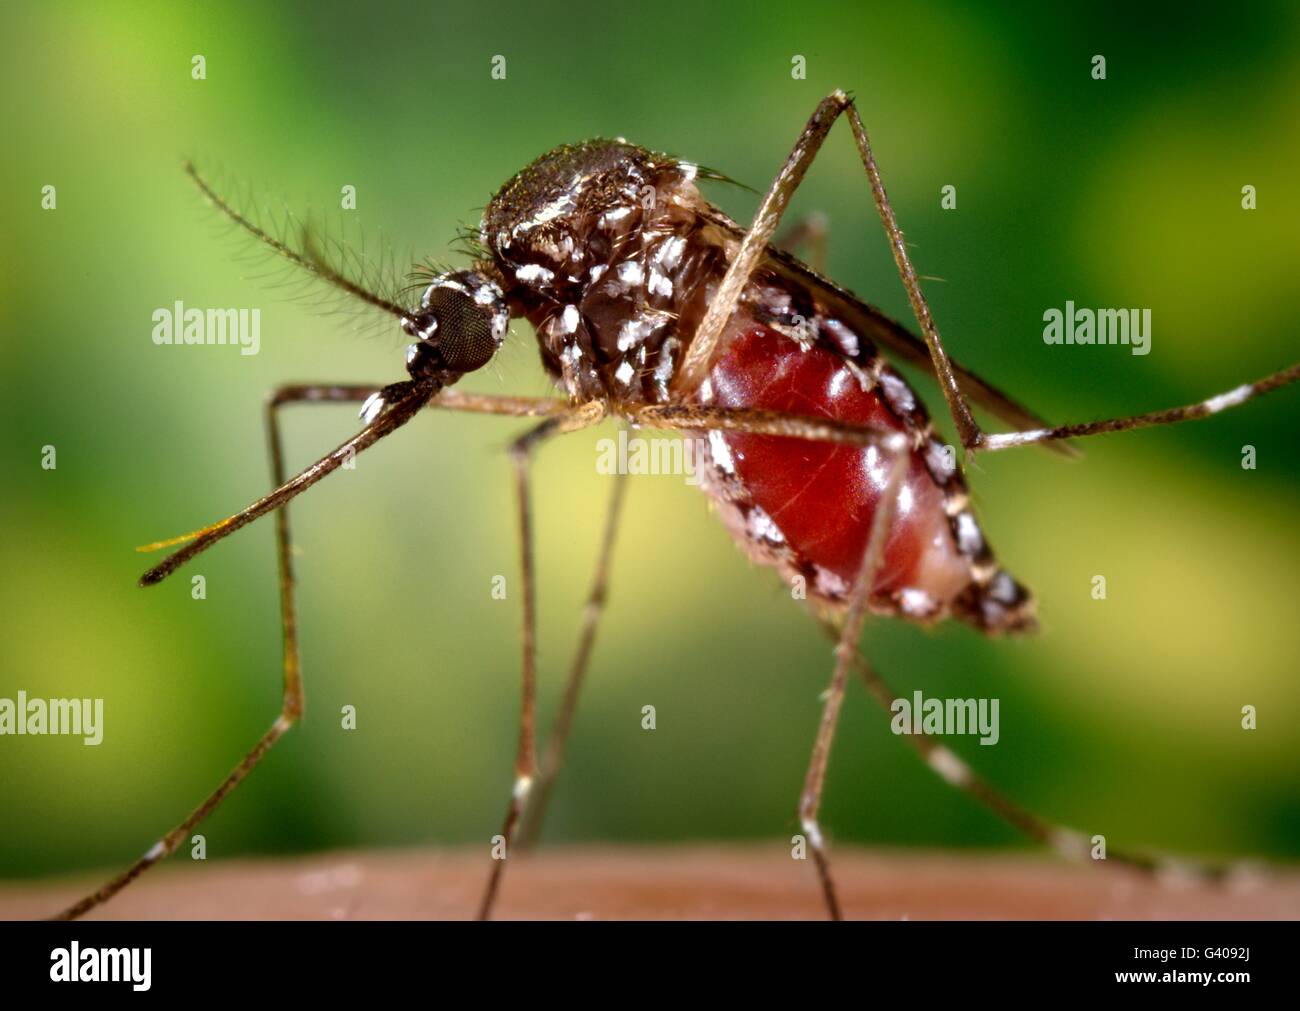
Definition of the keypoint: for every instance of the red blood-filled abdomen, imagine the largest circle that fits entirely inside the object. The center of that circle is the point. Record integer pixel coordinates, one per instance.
(808, 505)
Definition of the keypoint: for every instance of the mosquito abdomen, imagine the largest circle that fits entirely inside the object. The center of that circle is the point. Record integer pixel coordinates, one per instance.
(806, 507)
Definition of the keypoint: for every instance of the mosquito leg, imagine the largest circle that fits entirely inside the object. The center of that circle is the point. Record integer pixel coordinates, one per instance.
(1188, 412)
(514, 407)
(846, 649)
(704, 344)
(292, 705)
(449, 399)
(956, 773)
(761, 422)
(811, 232)
(403, 402)
(557, 741)
(521, 451)
(967, 429)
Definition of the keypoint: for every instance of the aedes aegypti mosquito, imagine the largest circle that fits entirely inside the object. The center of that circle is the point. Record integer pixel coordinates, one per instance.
(653, 307)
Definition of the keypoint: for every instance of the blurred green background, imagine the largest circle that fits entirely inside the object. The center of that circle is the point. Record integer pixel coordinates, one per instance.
(1122, 717)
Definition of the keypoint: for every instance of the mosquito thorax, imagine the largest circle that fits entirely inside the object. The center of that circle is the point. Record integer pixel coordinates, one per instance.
(601, 246)
(458, 327)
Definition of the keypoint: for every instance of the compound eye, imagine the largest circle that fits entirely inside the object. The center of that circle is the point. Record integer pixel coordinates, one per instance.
(471, 317)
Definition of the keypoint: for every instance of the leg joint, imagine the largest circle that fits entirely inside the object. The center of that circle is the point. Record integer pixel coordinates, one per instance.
(280, 395)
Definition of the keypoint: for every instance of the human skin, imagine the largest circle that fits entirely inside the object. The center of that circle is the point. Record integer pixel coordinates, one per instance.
(697, 882)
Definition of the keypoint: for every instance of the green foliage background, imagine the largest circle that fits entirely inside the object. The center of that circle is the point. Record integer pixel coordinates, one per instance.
(1122, 717)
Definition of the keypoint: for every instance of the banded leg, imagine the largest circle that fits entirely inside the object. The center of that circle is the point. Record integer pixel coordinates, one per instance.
(846, 649)
(292, 705)
(1188, 412)
(558, 739)
(954, 771)
(521, 451)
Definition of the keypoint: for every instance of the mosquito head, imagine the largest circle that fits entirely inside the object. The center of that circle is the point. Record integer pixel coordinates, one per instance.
(459, 326)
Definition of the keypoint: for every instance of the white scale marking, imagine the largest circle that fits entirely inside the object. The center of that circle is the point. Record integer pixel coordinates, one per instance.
(1230, 399)
(949, 766)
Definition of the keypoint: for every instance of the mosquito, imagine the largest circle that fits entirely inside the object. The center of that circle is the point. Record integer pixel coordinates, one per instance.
(653, 308)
